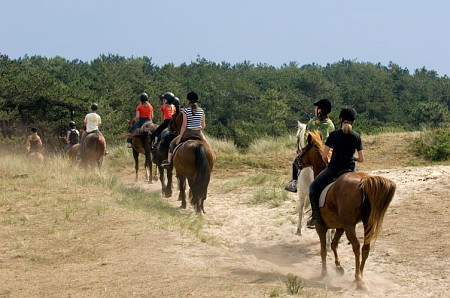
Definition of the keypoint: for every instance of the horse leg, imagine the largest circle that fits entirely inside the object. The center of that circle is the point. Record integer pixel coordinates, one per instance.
(182, 187)
(305, 177)
(334, 246)
(301, 205)
(321, 231)
(330, 235)
(136, 163)
(351, 236)
(147, 169)
(169, 183)
(162, 179)
(365, 250)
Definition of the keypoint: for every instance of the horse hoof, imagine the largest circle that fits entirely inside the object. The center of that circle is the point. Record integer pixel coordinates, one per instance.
(298, 232)
(339, 270)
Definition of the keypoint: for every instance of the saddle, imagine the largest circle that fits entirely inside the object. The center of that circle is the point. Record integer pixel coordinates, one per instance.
(196, 138)
(324, 192)
(146, 128)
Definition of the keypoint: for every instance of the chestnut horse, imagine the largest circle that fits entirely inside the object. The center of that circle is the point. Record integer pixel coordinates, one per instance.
(141, 145)
(72, 152)
(193, 160)
(93, 150)
(353, 197)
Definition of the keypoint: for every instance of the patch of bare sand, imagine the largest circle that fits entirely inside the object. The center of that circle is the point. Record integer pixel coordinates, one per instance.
(410, 257)
(253, 249)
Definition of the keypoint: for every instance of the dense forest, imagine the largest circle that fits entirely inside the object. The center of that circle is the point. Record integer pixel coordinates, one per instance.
(243, 102)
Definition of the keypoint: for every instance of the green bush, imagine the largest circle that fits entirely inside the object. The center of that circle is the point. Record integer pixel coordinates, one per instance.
(434, 145)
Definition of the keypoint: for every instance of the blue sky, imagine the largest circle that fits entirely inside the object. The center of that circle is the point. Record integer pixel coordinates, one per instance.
(411, 33)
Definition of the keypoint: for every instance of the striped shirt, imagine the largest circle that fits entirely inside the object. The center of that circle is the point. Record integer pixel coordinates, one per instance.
(194, 121)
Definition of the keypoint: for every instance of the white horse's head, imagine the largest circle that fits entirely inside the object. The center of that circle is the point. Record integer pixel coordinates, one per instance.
(301, 135)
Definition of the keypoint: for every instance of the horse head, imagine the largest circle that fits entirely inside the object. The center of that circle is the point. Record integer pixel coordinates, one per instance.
(311, 154)
(177, 120)
(301, 128)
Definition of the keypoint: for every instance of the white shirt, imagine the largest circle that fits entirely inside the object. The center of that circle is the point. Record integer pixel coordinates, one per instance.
(92, 120)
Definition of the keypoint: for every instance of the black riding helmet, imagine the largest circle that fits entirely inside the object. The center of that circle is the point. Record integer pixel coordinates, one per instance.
(94, 107)
(72, 124)
(143, 97)
(169, 96)
(176, 101)
(192, 96)
(324, 105)
(348, 114)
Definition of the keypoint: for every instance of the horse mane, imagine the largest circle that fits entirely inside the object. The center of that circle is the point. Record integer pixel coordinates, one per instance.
(315, 137)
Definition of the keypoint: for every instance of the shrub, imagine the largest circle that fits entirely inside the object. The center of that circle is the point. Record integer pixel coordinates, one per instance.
(434, 145)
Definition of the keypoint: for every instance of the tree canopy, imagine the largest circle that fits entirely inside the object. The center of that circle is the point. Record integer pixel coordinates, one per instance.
(242, 101)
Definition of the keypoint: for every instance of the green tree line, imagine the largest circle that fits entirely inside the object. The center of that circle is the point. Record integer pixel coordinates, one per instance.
(243, 101)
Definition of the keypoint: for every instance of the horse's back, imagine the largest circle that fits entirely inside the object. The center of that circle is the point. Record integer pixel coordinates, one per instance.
(185, 157)
(343, 201)
(94, 148)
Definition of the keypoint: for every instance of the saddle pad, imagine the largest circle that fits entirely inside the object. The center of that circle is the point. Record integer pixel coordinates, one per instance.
(323, 194)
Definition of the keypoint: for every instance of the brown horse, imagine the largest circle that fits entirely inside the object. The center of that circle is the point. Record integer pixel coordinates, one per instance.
(141, 145)
(353, 197)
(93, 151)
(71, 153)
(159, 154)
(194, 161)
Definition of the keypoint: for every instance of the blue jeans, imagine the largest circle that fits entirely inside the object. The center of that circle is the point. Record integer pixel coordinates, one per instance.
(137, 125)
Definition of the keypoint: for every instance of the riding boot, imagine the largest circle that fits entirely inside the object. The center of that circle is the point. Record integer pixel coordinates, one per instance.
(168, 162)
(291, 186)
(315, 217)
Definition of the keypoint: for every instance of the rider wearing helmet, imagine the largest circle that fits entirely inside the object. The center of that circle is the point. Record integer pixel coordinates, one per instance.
(167, 110)
(344, 142)
(144, 113)
(192, 126)
(92, 122)
(72, 136)
(319, 122)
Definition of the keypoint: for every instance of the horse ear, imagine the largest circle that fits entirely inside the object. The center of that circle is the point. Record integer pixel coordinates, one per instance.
(310, 139)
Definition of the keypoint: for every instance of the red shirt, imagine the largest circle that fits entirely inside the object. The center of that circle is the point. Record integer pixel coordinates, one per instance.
(167, 110)
(145, 112)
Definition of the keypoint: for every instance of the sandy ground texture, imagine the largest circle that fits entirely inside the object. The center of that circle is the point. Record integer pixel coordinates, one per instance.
(249, 251)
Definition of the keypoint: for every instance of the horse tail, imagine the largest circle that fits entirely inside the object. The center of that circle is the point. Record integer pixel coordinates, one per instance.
(200, 186)
(379, 192)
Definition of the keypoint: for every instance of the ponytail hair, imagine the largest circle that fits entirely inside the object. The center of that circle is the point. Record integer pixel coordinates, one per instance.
(145, 104)
(194, 107)
(346, 128)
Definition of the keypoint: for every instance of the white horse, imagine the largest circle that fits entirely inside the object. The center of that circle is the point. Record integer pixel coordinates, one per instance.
(305, 178)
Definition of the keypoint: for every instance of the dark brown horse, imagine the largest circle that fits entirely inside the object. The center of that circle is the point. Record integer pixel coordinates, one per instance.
(159, 154)
(194, 161)
(354, 197)
(141, 145)
(93, 151)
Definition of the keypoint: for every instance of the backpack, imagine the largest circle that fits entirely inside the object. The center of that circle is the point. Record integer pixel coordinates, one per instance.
(73, 137)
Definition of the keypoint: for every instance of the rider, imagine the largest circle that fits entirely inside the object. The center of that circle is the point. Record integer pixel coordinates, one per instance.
(319, 122)
(92, 121)
(144, 113)
(33, 143)
(344, 143)
(193, 125)
(72, 136)
(167, 110)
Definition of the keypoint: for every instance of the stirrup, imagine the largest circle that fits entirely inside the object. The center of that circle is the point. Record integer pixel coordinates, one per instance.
(165, 164)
